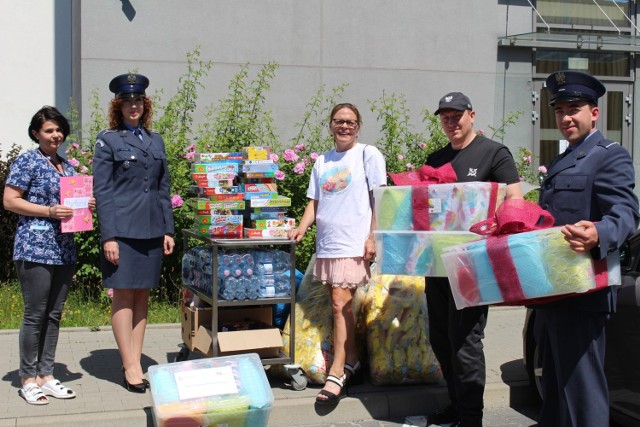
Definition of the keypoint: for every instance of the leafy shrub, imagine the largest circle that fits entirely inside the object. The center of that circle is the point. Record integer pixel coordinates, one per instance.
(8, 220)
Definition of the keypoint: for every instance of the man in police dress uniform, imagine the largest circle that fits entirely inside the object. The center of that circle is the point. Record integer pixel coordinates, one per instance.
(589, 190)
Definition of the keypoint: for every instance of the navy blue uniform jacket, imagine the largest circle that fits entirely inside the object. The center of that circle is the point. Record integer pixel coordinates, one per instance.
(593, 182)
(131, 185)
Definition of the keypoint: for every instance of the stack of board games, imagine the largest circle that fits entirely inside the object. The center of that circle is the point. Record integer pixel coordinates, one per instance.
(220, 201)
(237, 195)
(266, 209)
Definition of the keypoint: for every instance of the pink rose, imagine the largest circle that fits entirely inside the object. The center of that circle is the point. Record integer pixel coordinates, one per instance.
(84, 169)
(110, 293)
(176, 201)
(314, 156)
(290, 155)
(410, 166)
(299, 167)
(542, 169)
(400, 157)
(422, 145)
(280, 175)
(189, 155)
(274, 157)
(299, 147)
(74, 162)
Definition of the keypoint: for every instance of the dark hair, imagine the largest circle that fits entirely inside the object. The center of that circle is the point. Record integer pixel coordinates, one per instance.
(115, 113)
(45, 114)
(351, 107)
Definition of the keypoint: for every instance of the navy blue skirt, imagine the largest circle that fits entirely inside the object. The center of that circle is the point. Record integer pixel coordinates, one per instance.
(140, 264)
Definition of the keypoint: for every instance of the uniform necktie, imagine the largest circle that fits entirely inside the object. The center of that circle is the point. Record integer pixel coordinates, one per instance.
(138, 133)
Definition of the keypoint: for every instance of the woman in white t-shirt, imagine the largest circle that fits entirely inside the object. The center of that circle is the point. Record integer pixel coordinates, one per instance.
(341, 206)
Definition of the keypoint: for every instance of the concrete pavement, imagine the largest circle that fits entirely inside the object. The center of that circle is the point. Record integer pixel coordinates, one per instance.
(88, 362)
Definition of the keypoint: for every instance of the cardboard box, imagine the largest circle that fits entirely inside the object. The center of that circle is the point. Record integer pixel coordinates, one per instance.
(280, 201)
(228, 391)
(215, 157)
(213, 167)
(267, 233)
(263, 224)
(191, 320)
(265, 342)
(205, 204)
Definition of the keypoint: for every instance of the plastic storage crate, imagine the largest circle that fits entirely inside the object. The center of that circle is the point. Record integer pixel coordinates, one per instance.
(231, 390)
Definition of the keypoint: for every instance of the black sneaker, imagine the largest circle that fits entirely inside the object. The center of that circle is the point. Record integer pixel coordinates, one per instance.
(447, 415)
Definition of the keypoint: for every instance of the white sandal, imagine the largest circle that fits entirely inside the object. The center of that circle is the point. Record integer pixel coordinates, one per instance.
(56, 389)
(33, 394)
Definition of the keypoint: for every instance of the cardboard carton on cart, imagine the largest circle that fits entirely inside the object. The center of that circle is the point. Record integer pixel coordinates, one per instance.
(197, 336)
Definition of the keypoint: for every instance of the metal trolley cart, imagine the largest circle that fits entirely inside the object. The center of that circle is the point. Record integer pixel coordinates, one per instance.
(298, 379)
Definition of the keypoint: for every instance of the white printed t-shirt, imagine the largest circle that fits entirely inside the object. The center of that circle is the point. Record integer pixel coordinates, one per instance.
(343, 216)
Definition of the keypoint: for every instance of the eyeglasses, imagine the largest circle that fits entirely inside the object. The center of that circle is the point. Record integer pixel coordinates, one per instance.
(350, 123)
(131, 102)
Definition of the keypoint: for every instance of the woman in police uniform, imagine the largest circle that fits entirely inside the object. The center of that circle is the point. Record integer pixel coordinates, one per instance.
(131, 187)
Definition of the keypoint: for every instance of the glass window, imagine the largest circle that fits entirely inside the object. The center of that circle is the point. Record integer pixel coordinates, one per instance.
(615, 64)
(585, 12)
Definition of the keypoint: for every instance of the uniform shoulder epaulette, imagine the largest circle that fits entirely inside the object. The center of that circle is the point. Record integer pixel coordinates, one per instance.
(106, 131)
(610, 143)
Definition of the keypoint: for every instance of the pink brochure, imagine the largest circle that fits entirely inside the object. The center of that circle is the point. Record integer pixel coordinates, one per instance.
(75, 192)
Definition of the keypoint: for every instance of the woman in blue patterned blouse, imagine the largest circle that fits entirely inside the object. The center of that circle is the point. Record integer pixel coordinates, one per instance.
(45, 258)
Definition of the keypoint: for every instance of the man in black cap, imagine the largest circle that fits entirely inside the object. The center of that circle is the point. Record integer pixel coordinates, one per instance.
(589, 190)
(456, 335)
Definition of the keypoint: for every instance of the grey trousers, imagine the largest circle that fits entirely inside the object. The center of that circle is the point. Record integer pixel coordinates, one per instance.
(44, 291)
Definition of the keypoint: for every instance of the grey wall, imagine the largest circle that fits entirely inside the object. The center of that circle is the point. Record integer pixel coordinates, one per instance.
(419, 48)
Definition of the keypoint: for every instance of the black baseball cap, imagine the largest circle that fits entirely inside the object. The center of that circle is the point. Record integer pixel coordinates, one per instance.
(454, 101)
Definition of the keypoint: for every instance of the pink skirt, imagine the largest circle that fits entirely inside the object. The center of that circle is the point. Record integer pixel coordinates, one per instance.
(342, 272)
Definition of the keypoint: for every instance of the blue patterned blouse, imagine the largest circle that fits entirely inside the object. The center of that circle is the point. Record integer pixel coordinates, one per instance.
(39, 239)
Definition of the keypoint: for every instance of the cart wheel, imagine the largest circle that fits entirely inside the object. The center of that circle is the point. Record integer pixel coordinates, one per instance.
(183, 354)
(298, 378)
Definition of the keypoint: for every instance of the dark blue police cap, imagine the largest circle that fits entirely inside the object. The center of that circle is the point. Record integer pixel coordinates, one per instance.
(129, 85)
(574, 86)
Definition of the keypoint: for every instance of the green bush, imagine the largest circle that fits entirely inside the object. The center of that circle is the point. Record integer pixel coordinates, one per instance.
(8, 220)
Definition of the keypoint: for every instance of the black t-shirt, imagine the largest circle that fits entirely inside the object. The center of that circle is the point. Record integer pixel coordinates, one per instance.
(482, 160)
